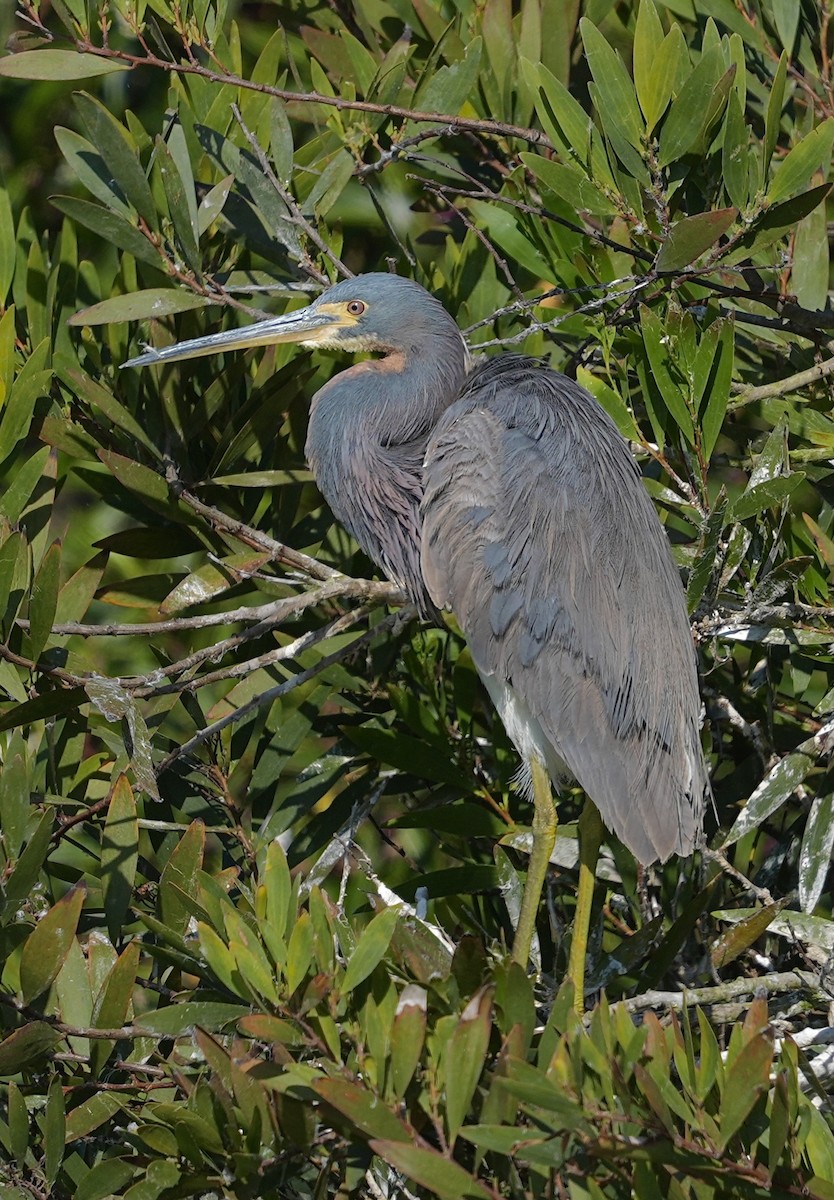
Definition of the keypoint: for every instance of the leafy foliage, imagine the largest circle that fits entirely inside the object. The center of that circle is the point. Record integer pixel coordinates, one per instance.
(207, 710)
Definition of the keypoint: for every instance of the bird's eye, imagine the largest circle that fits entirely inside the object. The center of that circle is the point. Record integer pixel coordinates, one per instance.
(356, 308)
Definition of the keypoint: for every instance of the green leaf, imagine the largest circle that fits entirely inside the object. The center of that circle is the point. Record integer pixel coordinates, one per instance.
(735, 154)
(771, 793)
(181, 204)
(687, 118)
(370, 949)
(114, 1001)
(448, 88)
(180, 871)
(717, 387)
(116, 147)
(212, 204)
(363, 1109)
(732, 944)
(431, 1170)
(119, 855)
(407, 1037)
(765, 495)
(809, 272)
(48, 944)
(330, 184)
(745, 1082)
(464, 1056)
(786, 16)
(616, 90)
(691, 236)
(178, 1018)
(807, 156)
(54, 1130)
(110, 227)
(569, 184)
(773, 118)
(15, 797)
(49, 704)
(658, 351)
(91, 1114)
(57, 64)
(148, 304)
(27, 1047)
(90, 169)
(408, 754)
(212, 579)
(25, 873)
(44, 600)
(815, 853)
(658, 71)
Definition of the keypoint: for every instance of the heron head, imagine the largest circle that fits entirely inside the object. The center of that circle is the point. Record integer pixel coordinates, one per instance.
(369, 312)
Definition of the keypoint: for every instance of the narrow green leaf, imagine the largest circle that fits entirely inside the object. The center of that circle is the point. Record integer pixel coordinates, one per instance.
(299, 952)
(25, 873)
(90, 169)
(119, 855)
(691, 236)
(430, 1169)
(765, 495)
(54, 1130)
(116, 147)
(18, 1118)
(771, 793)
(464, 1056)
(8, 247)
(179, 205)
(448, 88)
(181, 1016)
(616, 90)
(148, 304)
(735, 154)
(569, 184)
(57, 64)
(27, 1047)
(181, 870)
(364, 1110)
(370, 948)
(91, 1114)
(212, 579)
(110, 227)
(717, 388)
(773, 117)
(664, 373)
(806, 157)
(48, 944)
(114, 1002)
(661, 76)
(815, 853)
(745, 1082)
(44, 600)
(407, 1037)
(15, 796)
(686, 120)
(742, 935)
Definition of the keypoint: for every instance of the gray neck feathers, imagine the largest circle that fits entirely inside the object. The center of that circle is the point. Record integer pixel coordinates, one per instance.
(367, 437)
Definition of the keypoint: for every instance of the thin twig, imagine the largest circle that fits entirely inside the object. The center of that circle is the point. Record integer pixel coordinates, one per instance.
(782, 387)
(288, 685)
(296, 216)
(733, 989)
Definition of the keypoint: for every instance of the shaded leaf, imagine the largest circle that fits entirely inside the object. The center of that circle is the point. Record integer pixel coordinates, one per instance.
(48, 944)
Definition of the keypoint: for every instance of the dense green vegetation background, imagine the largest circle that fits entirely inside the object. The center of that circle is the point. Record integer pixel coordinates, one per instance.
(260, 844)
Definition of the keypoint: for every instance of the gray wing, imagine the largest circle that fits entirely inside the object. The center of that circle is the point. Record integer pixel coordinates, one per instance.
(539, 535)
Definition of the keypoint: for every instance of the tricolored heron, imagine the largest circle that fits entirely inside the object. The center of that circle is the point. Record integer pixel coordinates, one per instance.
(505, 493)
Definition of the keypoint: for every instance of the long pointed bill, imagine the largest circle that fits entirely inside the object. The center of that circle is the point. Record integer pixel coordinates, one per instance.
(305, 325)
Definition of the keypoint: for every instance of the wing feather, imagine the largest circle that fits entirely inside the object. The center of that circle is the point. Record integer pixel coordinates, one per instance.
(539, 535)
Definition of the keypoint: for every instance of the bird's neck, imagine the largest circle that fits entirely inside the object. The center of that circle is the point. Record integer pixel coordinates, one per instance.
(367, 437)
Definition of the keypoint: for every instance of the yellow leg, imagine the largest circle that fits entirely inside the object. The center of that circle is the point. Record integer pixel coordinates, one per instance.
(590, 838)
(544, 839)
